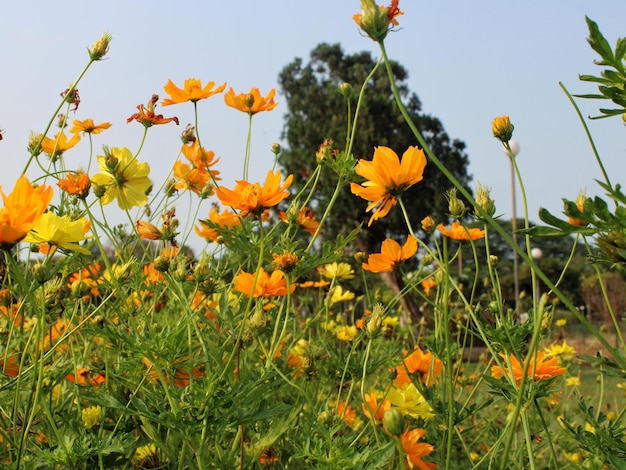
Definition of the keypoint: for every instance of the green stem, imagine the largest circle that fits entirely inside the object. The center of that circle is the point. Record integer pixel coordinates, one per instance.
(246, 162)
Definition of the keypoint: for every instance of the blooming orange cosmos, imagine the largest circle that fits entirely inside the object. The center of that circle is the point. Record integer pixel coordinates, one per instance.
(415, 450)
(427, 365)
(254, 198)
(59, 144)
(461, 232)
(148, 117)
(192, 91)
(190, 178)
(391, 254)
(374, 410)
(252, 102)
(76, 184)
(209, 228)
(305, 218)
(84, 376)
(148, 231)
(538, 369)
(89, 127)
(200, 157)
(22, 210)
(387, 178)
(263, 285)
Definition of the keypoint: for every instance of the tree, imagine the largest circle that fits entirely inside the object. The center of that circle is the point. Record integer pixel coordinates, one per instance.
(317, 110)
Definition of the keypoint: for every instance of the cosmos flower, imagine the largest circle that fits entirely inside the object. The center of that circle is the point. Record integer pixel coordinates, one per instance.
(391, 254)
(23, 208)
(387, 178)
(263, 285)
(461, 232)
(76, 184)
(55, 147)
(415, 450)
(427, 365)
(252, 198)
(336, 270)
(60, 231)
(209, 229)
(542, 369)
(192, 91)
(123, 178)
(252, 102)
(87, 126)
(148, 117)
(376, 21)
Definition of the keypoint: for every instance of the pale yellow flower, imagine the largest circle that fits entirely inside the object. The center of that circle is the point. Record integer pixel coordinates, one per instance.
(410, 401)
(336, 271)
(339, 295)
(92, 416)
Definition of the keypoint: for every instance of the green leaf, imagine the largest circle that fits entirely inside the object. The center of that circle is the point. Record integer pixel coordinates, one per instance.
(598, 43)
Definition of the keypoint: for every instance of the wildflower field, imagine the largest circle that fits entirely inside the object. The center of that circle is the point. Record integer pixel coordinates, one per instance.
(277, 347)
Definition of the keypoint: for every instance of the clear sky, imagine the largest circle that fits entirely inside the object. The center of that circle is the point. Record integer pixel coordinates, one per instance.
(468, 62)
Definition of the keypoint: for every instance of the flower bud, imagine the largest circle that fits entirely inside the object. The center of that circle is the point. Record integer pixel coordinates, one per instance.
(427, 259)
(100, 47)
(79, 288)
(202, 269)
(41, 272)
(112, 163)
(248, 100)
(162, 264)
(189, 135)
(360, 256)
(275, 148)
(99, 190)
(121, 272)
(502, 128)
(428, 224)
(34, 143)
(483, 199)
(375, 320)
(6, 298)
(580, 204)
(346, 89)
(393, 421)
(455, 205)
(493, 261)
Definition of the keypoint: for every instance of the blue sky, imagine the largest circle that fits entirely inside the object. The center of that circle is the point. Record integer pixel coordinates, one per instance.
(468, 62)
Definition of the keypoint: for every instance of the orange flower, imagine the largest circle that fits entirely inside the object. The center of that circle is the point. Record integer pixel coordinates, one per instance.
(76, 184)
(191, 91)
(305, 218)
(148, 231)
(209, 229)
(461, 232)
(502, 128)
(374, 410)
(200, 158)
(580, 205)
(376, 21)
(262, 285)
(387, 178)
(9, 365)
(285, 261)
(254, 198)
(391, 254)
(252, 102)
(22, 210)
(84, 376)
(189, 178)
(89, 276)
(55, 147)
(88, 127)
(313, 284)
(428, 284)
(347, 413)
(415, 450)
(542, 369)
(427, 365)
(148, 117)
(182, 376)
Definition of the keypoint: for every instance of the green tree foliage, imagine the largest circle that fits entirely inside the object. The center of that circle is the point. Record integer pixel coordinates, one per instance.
(317, 110)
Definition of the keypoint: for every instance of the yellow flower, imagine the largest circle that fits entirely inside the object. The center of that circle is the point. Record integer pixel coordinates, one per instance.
(345, 332)
(60, 231)
(88, 127)
(561, 322)
(572, 381)
(92, 416)
(55, 147)
(252, 102)
(391, 254)
(22, 210)
(336, 270)
(410, 401)
(563, 349)
(123, 178)
(387, 178)
(192, 91)
(338, 295)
